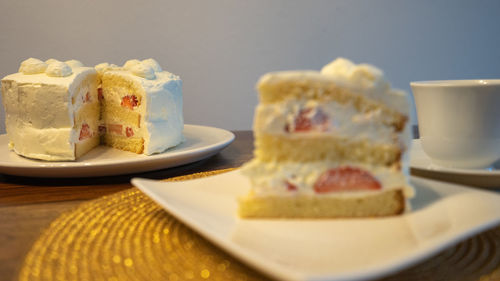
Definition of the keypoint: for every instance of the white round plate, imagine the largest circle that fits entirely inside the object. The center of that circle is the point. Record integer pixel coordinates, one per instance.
(200, 142)
(420, 160)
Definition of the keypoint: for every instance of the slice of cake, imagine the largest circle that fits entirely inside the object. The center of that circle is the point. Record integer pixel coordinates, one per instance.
(51, 109)
(141, 107)
(328, 144)
(60, 110)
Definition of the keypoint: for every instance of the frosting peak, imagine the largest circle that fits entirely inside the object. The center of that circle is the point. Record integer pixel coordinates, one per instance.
(144, 71)
(365, 76)
(58, 69)
(153, 63)
(103, 67)
(130, 64)
(50, 61)
(74, 63)
(32, 66)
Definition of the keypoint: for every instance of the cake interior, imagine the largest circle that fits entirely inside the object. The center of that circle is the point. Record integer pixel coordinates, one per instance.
(121, 104)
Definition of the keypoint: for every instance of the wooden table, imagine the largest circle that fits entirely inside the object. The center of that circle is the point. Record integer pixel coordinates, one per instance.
(28, 205)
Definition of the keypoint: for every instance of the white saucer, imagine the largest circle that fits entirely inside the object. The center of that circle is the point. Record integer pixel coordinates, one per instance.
(200, 142)
(420, 160)
(328, 249)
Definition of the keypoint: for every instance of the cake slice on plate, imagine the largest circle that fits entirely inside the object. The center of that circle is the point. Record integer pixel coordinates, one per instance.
(328, 144)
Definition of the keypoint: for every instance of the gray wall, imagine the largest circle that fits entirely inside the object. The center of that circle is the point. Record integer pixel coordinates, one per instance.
(220, 48)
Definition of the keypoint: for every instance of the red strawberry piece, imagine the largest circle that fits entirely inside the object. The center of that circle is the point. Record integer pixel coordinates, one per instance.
(309, 119)
(345, 179)
(102, 130)
(129, 132)
(290, 186)
(129, 102)
(85, 132)
(87, 97)
(115, 128)
(99, 94)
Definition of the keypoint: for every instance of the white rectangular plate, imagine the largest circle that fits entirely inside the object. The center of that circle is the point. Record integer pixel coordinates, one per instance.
(328, 249)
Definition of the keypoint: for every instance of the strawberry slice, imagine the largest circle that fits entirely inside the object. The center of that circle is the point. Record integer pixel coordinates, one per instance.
(346, 179)
(309, 119)
(85, 132)
(129, 132)
(87, 97)
(115, 128)
(102, 130)
(290, 186)
(99, 94)
(129, 102)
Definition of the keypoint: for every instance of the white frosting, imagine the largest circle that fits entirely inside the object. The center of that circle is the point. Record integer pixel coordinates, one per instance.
(58, 69)
(270, 178)
(362, 75)
(40, 114)
(74, 63)
(368, 80)
(130, 64)
(153, 63)
(103, 67)
(144, 71)
(49, 61)
(32, 66)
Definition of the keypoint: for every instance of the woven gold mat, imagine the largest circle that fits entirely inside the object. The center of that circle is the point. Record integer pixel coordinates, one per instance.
(127, 236)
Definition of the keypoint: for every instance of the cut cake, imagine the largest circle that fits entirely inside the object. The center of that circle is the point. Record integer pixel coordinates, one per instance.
(328, 144)
(58, 111)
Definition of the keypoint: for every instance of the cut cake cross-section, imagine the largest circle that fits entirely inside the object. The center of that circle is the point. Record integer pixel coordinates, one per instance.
(328, 144)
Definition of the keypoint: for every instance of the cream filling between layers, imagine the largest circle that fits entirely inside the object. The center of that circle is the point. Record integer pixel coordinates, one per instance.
(343, 121)
(271, 178)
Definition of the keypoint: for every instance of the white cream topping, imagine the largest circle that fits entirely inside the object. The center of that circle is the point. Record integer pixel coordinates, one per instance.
(144, 71)
(362, 75)
(103, 67)
(271, 178)
(368, 80)
(74, 63)
(49, 61)
(58, 69)
(32, 66)
(153, 63)
(130, 64)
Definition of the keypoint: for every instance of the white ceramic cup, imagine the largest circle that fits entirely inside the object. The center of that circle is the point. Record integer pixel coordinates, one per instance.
(459, 121)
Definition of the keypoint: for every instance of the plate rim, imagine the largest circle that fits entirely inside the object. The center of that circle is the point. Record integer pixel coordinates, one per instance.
(226, 137)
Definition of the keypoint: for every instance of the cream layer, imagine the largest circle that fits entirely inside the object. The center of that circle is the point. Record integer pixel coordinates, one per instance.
(271, 178)
(341, 121)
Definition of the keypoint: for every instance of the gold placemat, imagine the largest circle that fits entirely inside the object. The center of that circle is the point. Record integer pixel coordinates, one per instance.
(127, 236)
